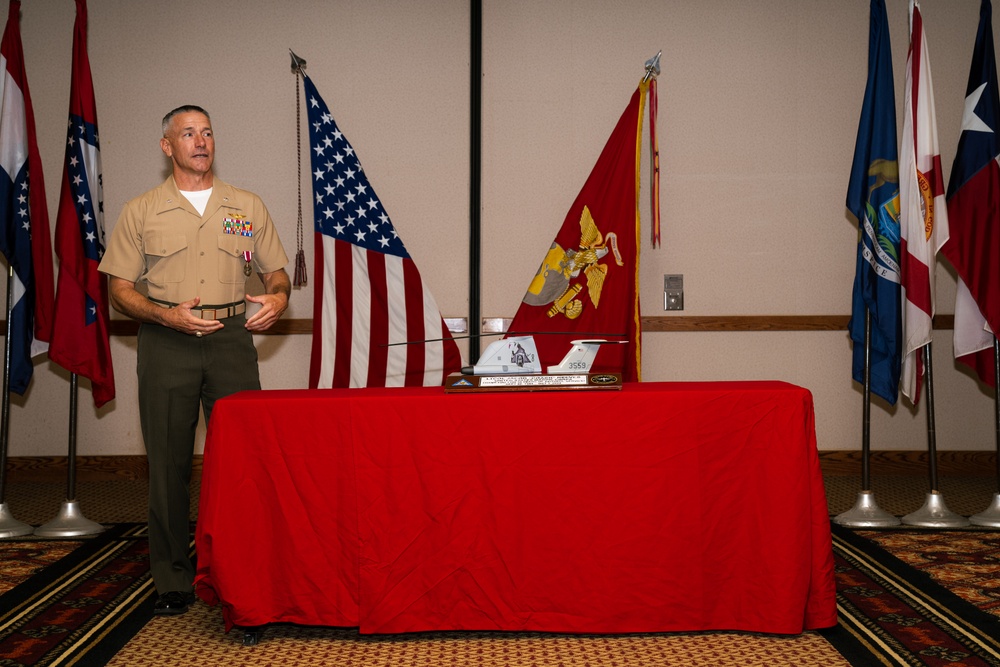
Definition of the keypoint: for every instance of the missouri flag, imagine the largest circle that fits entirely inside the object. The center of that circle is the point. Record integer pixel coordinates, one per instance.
(24, 218)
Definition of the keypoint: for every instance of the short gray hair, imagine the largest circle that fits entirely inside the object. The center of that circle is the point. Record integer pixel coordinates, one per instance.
(187, 108)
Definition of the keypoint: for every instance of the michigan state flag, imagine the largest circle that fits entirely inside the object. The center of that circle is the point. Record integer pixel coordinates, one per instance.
(873, 197)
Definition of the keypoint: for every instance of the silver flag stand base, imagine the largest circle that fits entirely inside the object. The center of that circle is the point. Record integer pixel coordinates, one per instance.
(989, 516)
(11, 527)
(69, 523)
(866, 514)
(935, 514)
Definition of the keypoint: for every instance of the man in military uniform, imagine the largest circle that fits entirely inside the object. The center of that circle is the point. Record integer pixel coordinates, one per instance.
(193, 241)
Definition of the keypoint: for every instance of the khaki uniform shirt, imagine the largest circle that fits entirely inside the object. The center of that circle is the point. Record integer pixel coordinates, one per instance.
(161, 240)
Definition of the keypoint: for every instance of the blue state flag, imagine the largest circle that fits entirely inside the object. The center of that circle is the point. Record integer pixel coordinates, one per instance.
(873, 197)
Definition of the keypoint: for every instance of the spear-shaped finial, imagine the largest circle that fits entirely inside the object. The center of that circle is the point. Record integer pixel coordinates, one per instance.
(652, 66)
(298, 64)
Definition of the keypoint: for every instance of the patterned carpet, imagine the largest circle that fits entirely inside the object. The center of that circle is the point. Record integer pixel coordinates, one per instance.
(901, 615)
(79, 609)
(198, 637)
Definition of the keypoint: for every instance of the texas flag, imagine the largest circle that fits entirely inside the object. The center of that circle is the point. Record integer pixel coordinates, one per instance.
(80, 335)
(923, 213)
(974, 210)
(24, 217)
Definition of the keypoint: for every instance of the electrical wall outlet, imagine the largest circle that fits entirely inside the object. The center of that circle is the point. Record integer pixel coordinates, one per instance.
(673, 292)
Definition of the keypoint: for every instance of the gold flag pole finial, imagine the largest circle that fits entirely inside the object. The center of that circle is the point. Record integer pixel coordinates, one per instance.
(299, 64)
(652, 66)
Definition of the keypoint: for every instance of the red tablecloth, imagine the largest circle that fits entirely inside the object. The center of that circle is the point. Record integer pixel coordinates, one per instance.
(660, 507)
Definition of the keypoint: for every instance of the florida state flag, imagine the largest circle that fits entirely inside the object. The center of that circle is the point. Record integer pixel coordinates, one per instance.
(587, 284)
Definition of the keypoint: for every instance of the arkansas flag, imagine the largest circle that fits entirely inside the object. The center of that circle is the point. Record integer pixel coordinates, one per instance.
(923, 213)
(375, 323)
(80, 334)
(873, 198)
(974, 210)
(587, 284)
(24, 217)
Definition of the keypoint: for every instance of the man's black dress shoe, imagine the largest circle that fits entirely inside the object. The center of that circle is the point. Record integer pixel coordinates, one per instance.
(172, 603)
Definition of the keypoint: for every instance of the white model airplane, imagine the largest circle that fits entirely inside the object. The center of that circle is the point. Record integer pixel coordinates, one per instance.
(518, 355)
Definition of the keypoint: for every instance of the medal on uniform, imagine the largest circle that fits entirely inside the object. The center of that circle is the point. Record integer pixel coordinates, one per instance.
(239, 225)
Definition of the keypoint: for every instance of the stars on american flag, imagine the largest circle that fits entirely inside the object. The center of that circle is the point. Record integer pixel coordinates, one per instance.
(345, 206)
(82, 161)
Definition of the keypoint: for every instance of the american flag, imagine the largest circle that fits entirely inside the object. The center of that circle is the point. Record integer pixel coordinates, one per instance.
(24, 218)
(369, 297)
(80, 334)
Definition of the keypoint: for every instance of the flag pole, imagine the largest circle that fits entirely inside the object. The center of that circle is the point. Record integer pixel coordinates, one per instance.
(70, 522)
(866, 513)
(301, 274)
(991, 515)
(9, 526)
(934, 513)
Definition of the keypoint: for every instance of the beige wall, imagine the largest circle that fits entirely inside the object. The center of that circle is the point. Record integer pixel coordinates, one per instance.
(759, 105)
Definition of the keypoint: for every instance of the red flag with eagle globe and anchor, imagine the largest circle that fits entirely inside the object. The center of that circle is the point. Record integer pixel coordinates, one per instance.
(587, 284)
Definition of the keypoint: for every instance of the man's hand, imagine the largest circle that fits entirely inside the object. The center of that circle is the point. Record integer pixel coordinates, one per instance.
(273, 303)
(128, 301)
(182, 319)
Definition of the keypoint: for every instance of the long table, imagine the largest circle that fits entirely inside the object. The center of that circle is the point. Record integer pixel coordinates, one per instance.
(660, 507)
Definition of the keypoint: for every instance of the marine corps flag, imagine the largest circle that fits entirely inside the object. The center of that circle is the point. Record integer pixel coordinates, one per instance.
(587, 284)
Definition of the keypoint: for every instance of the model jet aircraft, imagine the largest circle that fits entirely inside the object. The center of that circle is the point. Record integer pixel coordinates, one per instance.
(518, 355)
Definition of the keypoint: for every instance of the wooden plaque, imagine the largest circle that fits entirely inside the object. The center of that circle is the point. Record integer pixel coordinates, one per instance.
(461, 383)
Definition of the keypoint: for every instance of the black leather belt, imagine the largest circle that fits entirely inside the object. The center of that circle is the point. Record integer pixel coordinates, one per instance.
(210, 312)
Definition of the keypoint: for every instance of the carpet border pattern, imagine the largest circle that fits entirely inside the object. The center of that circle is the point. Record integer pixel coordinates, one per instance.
(36, 609)
(945, 620)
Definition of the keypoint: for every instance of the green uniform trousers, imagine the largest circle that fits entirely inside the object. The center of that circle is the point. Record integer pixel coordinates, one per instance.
(178, 375)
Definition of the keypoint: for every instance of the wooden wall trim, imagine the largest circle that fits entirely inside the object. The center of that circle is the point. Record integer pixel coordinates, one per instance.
(650, 324)
(745, 323)
(832, 462)
(909, 463)
(287, 327)
(761, 322)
